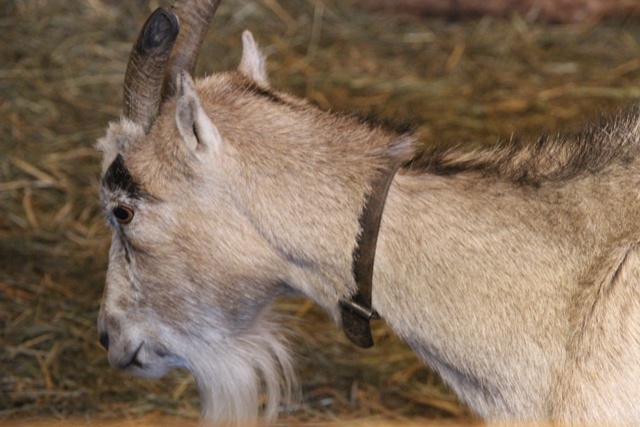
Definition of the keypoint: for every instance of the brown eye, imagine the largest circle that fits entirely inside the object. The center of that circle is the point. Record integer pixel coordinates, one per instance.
(123, 214)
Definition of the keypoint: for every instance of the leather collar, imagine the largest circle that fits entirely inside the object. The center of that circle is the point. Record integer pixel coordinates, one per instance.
(357, 311)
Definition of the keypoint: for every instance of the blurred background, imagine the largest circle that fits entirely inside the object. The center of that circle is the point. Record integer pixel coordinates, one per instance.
(467, 77)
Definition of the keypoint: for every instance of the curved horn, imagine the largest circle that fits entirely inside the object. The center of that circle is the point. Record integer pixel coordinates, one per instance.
(146, 67)
(195, 17)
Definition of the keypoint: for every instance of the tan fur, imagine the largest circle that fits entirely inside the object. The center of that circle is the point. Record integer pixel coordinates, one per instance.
(511, 272)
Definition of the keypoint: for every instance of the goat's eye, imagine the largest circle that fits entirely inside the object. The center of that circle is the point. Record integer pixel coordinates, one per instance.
(123, 214)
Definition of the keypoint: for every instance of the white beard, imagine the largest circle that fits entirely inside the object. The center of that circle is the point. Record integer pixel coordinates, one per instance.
(236, 377)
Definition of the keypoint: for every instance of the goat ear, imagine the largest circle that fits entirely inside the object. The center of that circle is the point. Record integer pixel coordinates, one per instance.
(252, 63)
(195, 127)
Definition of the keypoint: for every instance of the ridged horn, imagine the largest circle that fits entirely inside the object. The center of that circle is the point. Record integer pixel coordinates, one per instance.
(147, 63)
(195, 16)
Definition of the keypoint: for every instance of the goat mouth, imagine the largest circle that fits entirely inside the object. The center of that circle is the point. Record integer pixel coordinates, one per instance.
(133, 360)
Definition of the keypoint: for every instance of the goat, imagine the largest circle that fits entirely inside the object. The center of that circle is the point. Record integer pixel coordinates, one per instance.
(511, 271)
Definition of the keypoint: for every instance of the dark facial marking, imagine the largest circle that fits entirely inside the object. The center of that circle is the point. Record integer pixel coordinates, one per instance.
(117, 177)
(125, 247)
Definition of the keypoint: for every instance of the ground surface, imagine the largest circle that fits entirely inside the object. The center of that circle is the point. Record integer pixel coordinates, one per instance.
(61, 69)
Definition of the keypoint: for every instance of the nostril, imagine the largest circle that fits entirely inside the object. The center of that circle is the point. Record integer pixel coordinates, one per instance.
(104, 340)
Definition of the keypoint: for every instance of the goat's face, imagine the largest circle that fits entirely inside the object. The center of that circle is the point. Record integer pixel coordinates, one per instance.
(185, 266)
(189, 276)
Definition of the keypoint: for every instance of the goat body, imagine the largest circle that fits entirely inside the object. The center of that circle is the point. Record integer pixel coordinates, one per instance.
(511, 271)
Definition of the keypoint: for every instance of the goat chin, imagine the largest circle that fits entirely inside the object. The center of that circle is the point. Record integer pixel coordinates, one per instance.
(244, 373)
